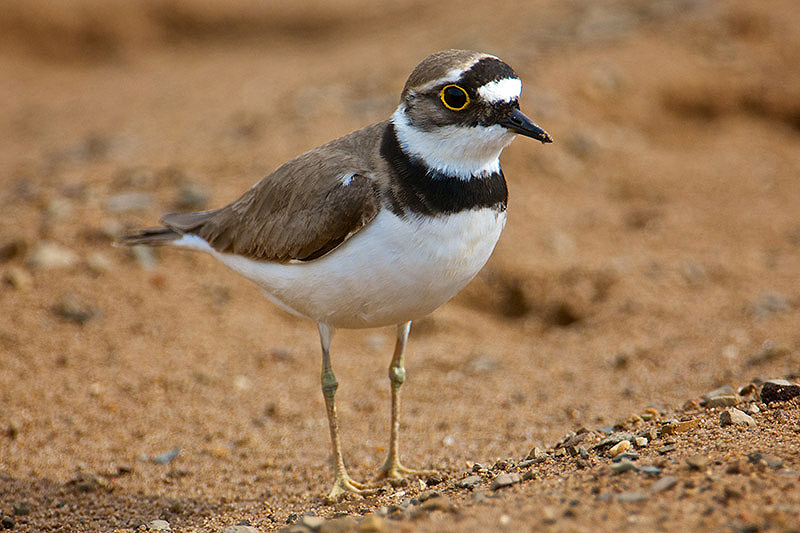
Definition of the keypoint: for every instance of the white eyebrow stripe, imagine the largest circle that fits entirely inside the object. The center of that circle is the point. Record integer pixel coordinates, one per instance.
(505, 90)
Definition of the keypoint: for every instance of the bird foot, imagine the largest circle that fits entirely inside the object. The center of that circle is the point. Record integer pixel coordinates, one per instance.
(345, 485)
(395, 470)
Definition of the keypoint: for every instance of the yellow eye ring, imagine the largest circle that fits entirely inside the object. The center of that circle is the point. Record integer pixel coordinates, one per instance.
(453, 97)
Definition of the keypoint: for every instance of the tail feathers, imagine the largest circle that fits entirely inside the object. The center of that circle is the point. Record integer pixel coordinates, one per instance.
(150, 237)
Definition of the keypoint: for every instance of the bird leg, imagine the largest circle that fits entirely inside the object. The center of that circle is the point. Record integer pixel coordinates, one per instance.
(343, 483)
(392, 468)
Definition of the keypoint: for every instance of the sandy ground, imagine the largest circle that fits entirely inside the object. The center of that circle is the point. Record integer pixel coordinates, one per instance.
(651, 254)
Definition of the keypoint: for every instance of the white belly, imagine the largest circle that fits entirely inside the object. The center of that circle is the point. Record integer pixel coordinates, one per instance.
(392, 271)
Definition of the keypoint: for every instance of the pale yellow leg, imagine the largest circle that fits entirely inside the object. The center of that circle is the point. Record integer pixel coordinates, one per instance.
(343, 483)
(392, 468)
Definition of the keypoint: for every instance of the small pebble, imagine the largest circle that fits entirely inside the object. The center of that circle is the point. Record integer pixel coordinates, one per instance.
(725, 390)
(771, 461)
(469, 482)
(651, 470)
(632, 497)
(619, 447)
(665, 483)
(192, 197)
(640, 442)
(129, 201)
(158, 525)
(50, 255)
(7, 522)
(478, 496)
(166, 457)
(626, 456)
(734, 417)
(697, 462)
(504, 480)
(667, 449)
(72, 308)
(722, 401)
(616, 438)
(679, 427)
(440, 502)
(22, 509)
(622, 466)
(778, 392)
(751, 409)
(311, 522)
(19, 278)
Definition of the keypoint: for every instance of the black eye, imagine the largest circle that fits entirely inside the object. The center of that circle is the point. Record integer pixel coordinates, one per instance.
(454, 97)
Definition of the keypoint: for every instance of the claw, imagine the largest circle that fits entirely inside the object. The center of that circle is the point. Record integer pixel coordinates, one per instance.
(344, 485)
(395, 470)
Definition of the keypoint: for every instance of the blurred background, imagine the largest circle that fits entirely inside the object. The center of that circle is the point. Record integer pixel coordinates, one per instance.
(651, 253)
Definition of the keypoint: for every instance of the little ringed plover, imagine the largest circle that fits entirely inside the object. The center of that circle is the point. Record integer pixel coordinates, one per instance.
(381, 226)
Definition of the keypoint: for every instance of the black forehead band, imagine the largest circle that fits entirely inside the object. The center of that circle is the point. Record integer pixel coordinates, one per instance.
(486, 70)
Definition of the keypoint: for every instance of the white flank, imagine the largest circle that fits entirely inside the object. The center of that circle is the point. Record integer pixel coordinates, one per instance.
(394, 270)
(459, 151)
(505, 90)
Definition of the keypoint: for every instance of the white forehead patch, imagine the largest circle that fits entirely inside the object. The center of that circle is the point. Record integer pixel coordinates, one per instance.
(505, 90)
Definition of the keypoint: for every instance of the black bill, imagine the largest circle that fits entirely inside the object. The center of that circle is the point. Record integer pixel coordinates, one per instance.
(517, 122)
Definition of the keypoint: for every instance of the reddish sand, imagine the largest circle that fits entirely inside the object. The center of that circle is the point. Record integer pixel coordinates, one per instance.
(649, 255)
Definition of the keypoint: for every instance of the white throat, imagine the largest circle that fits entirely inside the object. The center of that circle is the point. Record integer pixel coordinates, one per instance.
(458, 151)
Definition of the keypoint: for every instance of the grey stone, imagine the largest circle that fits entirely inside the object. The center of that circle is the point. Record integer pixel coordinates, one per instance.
(166, 457)
(632, 497)
(652, 470)
(734, 417)
(725, 390)
(626, 456)
(772, 461)
(469, 482)
(614, 439)
(504, 480)
(536, 454)
(768, 304)
(158, 525)
(311, 522)
(192, 197)
(667, 449)
(129, 201)
(697, 462)
(722, 401)
(622, 466)
(72, 308)
(665, 483)
(439, 502)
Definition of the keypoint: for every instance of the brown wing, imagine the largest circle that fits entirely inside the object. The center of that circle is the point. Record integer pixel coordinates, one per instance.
(302, 211)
